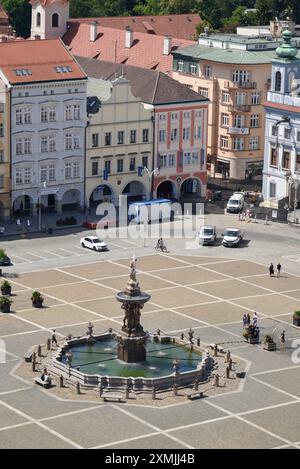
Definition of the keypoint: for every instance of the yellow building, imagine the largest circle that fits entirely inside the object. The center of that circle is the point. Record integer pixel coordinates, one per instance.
(234, 73)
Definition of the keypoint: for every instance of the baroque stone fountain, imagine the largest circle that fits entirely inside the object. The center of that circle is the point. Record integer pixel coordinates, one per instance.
(131, 356)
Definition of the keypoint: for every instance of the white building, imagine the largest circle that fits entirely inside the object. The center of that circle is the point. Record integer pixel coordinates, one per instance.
(281, 180)
(49, 18)
(48, 119)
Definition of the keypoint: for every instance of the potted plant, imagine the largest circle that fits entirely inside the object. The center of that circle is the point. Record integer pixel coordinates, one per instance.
(6, 288)
(5, 303)
(296, 318)
(269, 343)
(37, 299)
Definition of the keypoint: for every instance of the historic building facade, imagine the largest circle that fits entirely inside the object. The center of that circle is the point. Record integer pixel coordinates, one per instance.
(281, 182)
(47, 92)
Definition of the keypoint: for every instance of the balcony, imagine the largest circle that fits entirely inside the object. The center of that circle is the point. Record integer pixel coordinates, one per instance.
(287, 100)
(239, 108)
(248, 85)
(238, 131)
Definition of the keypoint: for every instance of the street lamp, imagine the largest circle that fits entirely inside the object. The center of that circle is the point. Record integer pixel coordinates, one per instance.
(43, 186)
(155, 172)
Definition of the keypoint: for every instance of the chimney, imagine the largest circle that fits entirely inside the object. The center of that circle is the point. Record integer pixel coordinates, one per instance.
(93, 31)
(167, 45)
(128, 37)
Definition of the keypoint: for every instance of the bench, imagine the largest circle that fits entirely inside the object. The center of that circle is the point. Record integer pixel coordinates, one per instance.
(45, 384)
(112, 395)
(195, 395)
(28, 356)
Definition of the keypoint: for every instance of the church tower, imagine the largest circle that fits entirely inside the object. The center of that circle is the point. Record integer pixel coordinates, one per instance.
(49, 18)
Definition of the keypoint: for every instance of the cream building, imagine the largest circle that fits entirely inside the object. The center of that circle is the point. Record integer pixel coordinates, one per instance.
(5, 185)
(119, 143)
(234, 72)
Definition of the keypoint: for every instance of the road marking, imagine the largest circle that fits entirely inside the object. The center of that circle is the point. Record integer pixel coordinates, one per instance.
(53, 253)
(69, 252)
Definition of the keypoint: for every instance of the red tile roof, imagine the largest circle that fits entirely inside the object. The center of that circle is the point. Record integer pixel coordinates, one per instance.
(46, 2)
(179, 26)
(40, 58)
(3, 13)
(146, 51)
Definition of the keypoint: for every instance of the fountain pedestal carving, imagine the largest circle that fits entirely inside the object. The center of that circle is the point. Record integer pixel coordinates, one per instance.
(132, 339)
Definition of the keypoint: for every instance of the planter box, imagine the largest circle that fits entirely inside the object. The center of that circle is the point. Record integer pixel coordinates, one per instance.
(5, 308)
(6, 291)
(270, 346)
(296, 321)
(37, 303)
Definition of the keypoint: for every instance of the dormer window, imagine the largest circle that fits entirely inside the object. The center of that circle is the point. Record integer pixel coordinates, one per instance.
(22, 72)
(64, 69)
(55, 20)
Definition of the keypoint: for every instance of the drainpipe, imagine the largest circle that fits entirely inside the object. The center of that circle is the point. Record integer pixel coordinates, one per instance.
(153, 159)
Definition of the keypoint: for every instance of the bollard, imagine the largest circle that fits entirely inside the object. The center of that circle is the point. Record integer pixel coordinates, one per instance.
(175, 390)
(48, 344)
(217, 380)
(77, 387)
(228, 356)
(153, 393)
(34, 361)
(39, 351)
(227, 372)
(196, 385)
(61, 381)
(127, 390)
(198, 342)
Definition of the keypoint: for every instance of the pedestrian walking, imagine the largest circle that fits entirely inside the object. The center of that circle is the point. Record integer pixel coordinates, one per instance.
(245, 321)
(271, 270)
(255, 318)
(54, 339)
(278, 269)
(282, 341)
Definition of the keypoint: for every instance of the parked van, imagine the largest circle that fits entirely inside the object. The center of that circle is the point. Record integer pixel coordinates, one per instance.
(236, 203)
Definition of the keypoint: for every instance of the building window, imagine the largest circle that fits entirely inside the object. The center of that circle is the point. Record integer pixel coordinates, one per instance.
(76, 142)
(240, 76)
(255, 97)
(68, 171)
(95, 168)
(180, 66)
(51, 173)
(298, 136)
(224, 120)
(48, 114)
(272, 189)
(287, 133)
(19, 146)
(133, 136)
(1, 182)
(239, 121)
(286, 160)
(19, 116)
(253, 143)
(44, 114)
(208, 71)
(278, 81)
(225, 97)
(107, 138)
(274, 131)
(162, 117)
(55, 20)
(186, 115)
(174, 134)
(238, 143)
(187, 158)
(120, 166)
(76, 169)
(240, 99)
(273, 157)
(203, 91)
(68, 112)
(68, 142)
(120, 137)
(72, 112)
(132, 164)
(171, 160)
(193, 69)
(224, 142)
(107, 166)
(27, 145)
(1, 130)
(27, 175)
(18, 177)
(174, 116)
(44, 144)
(1, 156)
(145, 135)
(162, 136)
(145, 161)
(95, 140)
(38, 19)
(76, 112)
(195, 157)
(297, 165)
(254, 120)
(185, 133)
(198, 132)
(72, 170)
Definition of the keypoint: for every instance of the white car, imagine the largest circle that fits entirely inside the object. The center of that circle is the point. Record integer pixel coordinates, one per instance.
(92, 242)
(232, 237)
(207, 235)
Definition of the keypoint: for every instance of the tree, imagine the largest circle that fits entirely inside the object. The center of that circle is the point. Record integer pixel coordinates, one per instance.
(20, 16)
(264, 11)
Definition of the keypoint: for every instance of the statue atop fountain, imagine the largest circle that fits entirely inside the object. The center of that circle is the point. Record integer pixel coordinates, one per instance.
(132, 339)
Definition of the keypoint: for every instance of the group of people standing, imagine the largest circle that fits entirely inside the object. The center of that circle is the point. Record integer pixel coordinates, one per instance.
(272, 270)
(247, 320)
